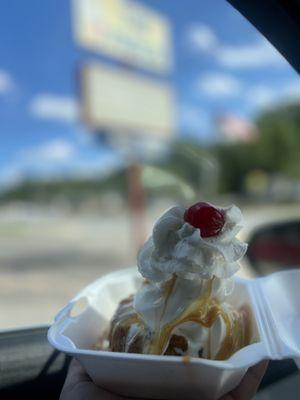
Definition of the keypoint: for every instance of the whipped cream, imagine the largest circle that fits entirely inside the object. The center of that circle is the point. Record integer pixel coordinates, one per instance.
(177, 247)
(180, 267)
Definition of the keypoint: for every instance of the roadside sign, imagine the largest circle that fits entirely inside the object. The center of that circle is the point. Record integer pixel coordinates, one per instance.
(125, 30)
(119, 100)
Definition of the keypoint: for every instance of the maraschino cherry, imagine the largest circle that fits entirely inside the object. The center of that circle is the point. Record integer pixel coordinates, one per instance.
(204, 216)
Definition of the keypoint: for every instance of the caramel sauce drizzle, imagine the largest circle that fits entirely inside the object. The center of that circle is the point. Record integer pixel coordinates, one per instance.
(186, 359)
(205, 311)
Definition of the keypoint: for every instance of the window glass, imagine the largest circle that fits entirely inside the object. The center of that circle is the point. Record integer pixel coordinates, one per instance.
(110, 115)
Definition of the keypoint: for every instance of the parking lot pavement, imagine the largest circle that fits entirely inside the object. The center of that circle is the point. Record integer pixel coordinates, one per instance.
(44, 263)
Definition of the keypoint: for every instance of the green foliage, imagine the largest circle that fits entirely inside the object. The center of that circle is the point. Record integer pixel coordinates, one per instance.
(190, 168)
(235, 160)
(74, 190)
(279, 142)
(275, 151)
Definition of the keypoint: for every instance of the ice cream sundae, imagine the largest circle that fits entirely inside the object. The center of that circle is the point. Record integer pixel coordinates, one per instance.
(182, 307)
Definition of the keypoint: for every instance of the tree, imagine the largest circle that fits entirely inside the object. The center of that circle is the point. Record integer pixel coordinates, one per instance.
(278, 146)
(276, 149)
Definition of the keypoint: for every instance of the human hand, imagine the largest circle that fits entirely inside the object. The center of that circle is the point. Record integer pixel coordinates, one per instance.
(248, 386)
(79, 386)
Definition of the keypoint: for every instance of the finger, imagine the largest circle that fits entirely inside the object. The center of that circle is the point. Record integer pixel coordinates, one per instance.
(76, 374)
(89, 391)
(79, 386)
(249, 384)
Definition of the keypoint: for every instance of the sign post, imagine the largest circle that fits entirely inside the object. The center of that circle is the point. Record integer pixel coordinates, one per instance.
(118, 100)
(136, 200)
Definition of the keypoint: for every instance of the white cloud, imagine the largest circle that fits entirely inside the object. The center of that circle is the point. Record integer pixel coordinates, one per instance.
(252, 55)
(217, 84)
(45, 161)
(57, 158)
(10, 175)
(201, 37)
(54, 107)
(264, 96)
(7, 83)
(260, 96)
(255, 54)
(57, 150)
(103, 165)
(291, 90)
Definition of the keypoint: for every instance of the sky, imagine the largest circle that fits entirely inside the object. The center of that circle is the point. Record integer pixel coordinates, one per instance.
(221, 65)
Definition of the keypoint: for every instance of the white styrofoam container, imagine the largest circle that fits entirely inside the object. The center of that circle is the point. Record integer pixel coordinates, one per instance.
(275, 301)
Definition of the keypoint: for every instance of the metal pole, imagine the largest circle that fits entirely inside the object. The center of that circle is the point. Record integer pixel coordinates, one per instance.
(136, 203)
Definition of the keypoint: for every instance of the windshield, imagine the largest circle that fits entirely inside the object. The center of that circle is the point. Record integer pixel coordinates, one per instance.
(110, 113)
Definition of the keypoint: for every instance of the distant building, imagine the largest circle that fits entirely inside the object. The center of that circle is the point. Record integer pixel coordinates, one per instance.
(232, 128)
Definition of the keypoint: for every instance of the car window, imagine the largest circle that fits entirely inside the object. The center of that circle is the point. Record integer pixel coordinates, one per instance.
(113, 111)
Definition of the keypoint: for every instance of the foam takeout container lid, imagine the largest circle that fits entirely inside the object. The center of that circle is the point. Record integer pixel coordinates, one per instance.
(275, 301)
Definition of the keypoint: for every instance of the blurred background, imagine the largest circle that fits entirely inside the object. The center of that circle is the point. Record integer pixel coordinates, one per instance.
(112, 111)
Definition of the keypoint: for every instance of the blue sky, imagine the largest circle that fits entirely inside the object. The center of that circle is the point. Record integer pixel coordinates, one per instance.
(222, 65)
